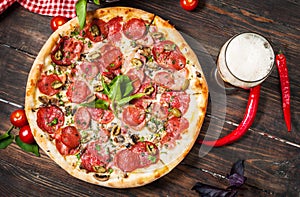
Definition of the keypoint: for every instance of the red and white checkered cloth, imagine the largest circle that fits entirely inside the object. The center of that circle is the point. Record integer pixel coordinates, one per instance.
(45, 7)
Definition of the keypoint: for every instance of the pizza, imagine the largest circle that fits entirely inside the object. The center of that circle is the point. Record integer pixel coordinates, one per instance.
(118, 103)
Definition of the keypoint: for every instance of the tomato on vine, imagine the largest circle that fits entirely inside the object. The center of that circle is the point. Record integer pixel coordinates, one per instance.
(189, 5)
(57, 21)
(26, 135)
(18, 118)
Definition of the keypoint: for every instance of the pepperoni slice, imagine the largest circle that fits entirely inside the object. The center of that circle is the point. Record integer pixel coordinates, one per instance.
(67, 51)
(70, 137)
(140, 155)
(50, 118)
(62, 148)
(114, 29)
(78, 91)
(89, 70)
(101, 116)
(97, 30)
(111, 59)
(164, 79)
(127, 160)
(174, 127)
(167, 54)
(133, 115)
(178, 100)
(82, 118)
(95, 156)
(47, 84)
(134, 29)
(137, 77)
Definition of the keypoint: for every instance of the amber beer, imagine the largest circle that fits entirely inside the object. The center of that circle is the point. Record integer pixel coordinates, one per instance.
(245, 60)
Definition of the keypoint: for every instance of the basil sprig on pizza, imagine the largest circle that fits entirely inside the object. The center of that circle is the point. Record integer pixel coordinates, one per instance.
(118, 103)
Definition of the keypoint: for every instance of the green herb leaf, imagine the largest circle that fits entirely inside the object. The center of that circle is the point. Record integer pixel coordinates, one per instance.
(6, 138)
(33, 148)
(98, 103)
(81, 6)
(129, 98)
(97, 2)
(6, 141)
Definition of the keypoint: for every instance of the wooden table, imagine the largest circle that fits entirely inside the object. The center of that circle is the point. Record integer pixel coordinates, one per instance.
(271, 154)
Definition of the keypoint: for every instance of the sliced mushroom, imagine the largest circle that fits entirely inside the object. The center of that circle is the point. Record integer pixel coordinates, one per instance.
(101, 177)
(157, 35)
(100, 169)
(43, 99)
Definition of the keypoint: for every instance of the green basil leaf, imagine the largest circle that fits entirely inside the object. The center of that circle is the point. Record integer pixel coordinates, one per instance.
(105, 86)
(32, 148)
(96, 104)
(4, 142)
(81, 6)
(115, 90)
(129, 98)
(97, 2)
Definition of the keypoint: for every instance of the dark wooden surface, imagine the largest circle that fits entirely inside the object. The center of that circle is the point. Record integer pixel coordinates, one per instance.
(271, 154)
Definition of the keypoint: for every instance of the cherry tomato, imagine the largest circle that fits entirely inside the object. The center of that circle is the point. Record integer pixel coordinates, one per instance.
(57, 21)
(26, 135)
(189, 5)
(18, 118)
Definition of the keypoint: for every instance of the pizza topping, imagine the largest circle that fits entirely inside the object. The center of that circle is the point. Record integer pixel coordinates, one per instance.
(100, 115)
(176, 100)
(70, 137)
(167, 54)
(78, 91)
(97, 30)
(89, 70)
(95, 157)
(133, 115)
(174, 128)
(140, 155)
(67, 51)
(82, 118)
(49, 84)
(137, 63)
(114, 26)
(50, 118)
(135, 29)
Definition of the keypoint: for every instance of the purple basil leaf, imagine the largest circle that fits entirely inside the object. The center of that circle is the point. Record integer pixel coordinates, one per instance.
(236, 177)
(210, 191)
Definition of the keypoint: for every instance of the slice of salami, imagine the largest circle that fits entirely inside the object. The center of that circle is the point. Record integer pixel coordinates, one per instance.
(134, 29)
(176, 80)
(70, 137)
(96, 31)
(49, 84)
(67, 51)
(78, 91)
(127, 160)
(167, 54)
(82, 118)
(89, 70)
(137, 76)
(111, 58)
(133, 115)
(140, 155)
(50, 118)
(178, 100)
(174, 128)
(100, 115)
(95, 156)
(114, 29)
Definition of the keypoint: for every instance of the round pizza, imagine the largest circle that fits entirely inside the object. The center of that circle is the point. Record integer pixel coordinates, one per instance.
(118, 103)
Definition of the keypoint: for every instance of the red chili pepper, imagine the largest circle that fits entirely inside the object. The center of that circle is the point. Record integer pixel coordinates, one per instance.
(243, 127)
(285, 88)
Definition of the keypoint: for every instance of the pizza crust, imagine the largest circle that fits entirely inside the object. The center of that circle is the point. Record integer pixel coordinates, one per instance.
(196, 113)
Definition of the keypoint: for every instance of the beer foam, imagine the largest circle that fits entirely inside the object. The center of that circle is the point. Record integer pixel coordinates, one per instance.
(249, 57)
